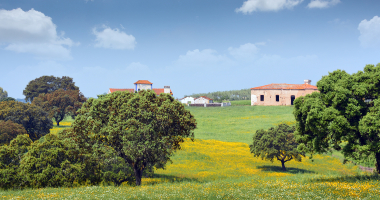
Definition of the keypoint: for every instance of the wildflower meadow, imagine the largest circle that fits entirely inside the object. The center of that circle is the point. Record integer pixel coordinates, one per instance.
(218, 165)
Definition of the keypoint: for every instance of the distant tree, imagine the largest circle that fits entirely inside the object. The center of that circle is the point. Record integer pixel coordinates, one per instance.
(3, 93)
(10, 157)
(7, 99)
(47, 84)
(10, 130)
(34, 119)
(60, 103)
(232, 95)
(344, 115)
(144, 129)
(276, 143)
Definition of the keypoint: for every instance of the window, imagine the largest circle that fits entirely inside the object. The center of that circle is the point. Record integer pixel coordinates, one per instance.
(277, 98)
(261, 97)
(292, 99)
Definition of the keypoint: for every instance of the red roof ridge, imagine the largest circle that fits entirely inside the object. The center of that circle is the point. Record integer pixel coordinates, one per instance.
(143, 82)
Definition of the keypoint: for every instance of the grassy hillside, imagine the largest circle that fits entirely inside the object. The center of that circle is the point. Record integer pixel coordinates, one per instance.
(218, 165)
(238, 123)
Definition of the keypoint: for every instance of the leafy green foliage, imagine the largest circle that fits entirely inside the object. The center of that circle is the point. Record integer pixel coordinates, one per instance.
(47, 84)
(3, 93)
(60, 103)
(10, 130)
(7, 99)
(276, 143)
(144, 129)
(10, 157)
(54, 162)
(35, 120)
(232, 95)
(344, 116)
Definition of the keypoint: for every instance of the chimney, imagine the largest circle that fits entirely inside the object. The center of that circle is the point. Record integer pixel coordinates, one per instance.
(167, 89)
(307, 81)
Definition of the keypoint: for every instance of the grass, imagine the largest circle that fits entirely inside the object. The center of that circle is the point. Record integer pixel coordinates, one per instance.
(238, 123)
(241, 103)
(218, 165)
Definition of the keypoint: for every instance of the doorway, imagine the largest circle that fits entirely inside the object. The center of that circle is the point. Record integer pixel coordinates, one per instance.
(292, 99)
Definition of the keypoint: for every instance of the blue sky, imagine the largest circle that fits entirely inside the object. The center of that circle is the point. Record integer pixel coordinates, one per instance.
(192, 46)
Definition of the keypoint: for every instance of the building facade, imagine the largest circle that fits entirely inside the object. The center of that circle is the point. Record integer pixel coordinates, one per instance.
(144, 85)
(187, 100)
(280, 94)
(203, 99)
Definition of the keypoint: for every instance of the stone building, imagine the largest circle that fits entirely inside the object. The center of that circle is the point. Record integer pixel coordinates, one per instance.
(280, 94)
(144, 85)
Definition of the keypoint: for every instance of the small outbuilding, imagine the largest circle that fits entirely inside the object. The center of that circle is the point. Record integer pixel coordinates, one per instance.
(280, 93)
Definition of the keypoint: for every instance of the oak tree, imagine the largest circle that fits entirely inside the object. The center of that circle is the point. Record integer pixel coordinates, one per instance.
(144, 129)
(276, 143)
(3, 93)
(10, 130)
(34, 119)
(60, 103)
(344, 115)
(47, 84)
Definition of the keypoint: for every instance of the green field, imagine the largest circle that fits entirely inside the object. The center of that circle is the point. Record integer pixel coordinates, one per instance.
(218, 165)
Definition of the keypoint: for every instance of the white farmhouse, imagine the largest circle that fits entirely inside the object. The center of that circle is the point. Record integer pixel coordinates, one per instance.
(187, 100)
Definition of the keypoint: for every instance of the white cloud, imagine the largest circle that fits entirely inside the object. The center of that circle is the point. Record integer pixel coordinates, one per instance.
(250, 6)
(245, 51)
(322, 3)
(370, 32)
(205, 59)
(114, 39)
(32, 32)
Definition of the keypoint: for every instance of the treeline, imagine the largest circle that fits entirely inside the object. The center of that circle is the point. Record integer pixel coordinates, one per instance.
(232, 95)
(112, 140)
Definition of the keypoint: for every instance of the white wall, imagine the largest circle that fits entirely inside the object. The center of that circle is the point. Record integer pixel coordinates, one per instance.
(187, 99)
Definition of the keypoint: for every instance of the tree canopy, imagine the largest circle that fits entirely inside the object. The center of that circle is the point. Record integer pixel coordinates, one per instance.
(47, 84)
(36, 121)
(344, 115)
(244, 94)
(3, 93)
(10, 130)
(7, 99)
(144, 129)
(60, 103)
(276, 143)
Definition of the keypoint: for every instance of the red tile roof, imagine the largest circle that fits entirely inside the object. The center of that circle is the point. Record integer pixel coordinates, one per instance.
(143, 82)
(160, 90)
(284, 86)
(204, 97)
(114, 90)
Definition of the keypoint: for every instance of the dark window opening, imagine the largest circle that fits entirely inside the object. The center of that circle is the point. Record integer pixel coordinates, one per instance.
(292, 99)
(261, 97)
(277, 98)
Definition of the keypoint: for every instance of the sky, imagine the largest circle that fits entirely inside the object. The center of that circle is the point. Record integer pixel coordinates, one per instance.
(193, 46)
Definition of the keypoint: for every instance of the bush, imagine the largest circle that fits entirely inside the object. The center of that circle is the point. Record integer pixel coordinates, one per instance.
(10, 130)
(35, 120)
(10, 157)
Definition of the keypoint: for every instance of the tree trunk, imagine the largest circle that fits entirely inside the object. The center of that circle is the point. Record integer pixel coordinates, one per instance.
(57, 123)
(138, 174)
(377, 157)
(283, 165)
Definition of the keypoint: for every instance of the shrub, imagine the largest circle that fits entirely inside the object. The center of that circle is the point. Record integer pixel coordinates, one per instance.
(10, 156)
